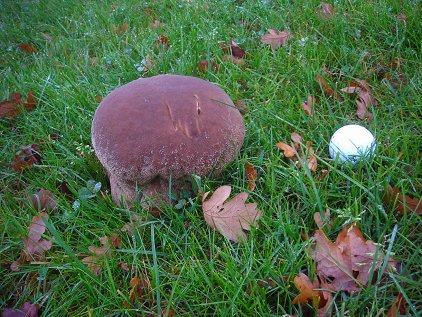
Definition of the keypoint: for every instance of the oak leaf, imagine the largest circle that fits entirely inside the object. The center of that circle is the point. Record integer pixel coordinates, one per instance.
(251, 176)
(232, 217)
(403, 203)
(276, 38)
(348, 263)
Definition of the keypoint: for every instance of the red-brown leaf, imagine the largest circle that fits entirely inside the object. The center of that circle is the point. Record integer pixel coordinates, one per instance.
(308, 104)
(288, 150)
(26, 157)
(326, 11)
(399, 307)
(205, 65)
(26, 310)
(251, 176)
(323, 223)
(276, 38)
(121, 28)
(27, 48)
(34, 245)
(30, 102)
(12, 107)
(43, 200)
(162, 41)
(232, 48)
(328, 91)
(233, 59)
(403, 203)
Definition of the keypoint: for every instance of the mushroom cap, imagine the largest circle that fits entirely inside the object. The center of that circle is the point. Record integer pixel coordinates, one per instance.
(163, 127)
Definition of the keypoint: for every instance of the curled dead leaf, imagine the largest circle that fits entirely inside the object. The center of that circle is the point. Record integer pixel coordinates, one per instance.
(232, 217)
(365, 99)
(327, 89)
(403, 203)
(233, 59)
(34, 246)
(233, 49)
(288, 150)
(399, 307)
(251, 176)
(205, 65)
(308, 104)
(26, 157)
(43, 200)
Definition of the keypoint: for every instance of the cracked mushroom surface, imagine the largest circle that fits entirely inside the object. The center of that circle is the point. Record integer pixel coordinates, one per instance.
(160, 130)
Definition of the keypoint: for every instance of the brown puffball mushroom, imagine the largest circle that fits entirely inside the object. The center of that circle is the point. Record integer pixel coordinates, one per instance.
(160, 130)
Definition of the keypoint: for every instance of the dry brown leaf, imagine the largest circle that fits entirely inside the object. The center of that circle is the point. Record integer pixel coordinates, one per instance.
(241, 106)
(233, 59)
(26, 157)
(276, 38)
(34, 246)
(403, 203)
(43, 200)
(205, 65)
(232, 217)
(288, 150)
(348, 263)
(94, 261)
(12, 107)
(93, 264)
(323, 223)
(27, 48)
(401, 17)
(311, 159)
(297, 139)
(251, 175)
(328, 91)
(308, 104)
(26, 310)
(399, 307)
(162, 41)
(121, 28)
(365, 98)
(326, 11)
(233, 49)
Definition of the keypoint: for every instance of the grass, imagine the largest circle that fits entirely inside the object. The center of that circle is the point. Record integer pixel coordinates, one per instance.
(192, 269)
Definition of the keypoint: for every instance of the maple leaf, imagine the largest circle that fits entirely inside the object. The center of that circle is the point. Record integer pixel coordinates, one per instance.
(26, 157)
(403, 203)
(34, 245)
(43, 200)
(308, 104)
(233, 49)
(251, 176)
(276, 38)
(365, 98)
(232, 217)
(348, 263)
(27, 48)
(326, 10)
(328, 91)
(26, 310)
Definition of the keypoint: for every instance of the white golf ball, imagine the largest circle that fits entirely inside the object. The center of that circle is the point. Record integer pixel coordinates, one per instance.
(352, 142)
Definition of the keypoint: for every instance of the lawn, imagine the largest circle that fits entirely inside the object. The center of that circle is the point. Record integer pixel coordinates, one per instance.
(71, 54)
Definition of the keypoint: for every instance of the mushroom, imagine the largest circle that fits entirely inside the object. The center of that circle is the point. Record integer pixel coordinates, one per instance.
(153, 133)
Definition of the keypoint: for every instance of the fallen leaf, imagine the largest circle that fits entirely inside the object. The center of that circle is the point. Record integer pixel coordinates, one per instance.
(251, 176)
(147, 62)
(297, 139)
(328, 91)
(348, 263)
(121, 28)
(27, 48)
(399, 307)
(308, 104)
(124, 266)
(156, 24)
(98, 98)
(401, 17)
(26, 310)
(233, 59)
(232, 217)
(288, 150)
(323, 223)
(310, 158)
(12, 107)
(34, 246)
(64, 189)
(162, 41)
(241, 106)
(26, 157)
(326, 11)
(93, 262)
(233, 49)
(364, 100)
(43, 200)
(403, 203)
(46, 36)
(276, 38)
(205, 65)
(30, 102)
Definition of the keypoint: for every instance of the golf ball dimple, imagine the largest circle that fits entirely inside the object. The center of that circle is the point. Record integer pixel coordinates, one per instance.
(351, 142)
